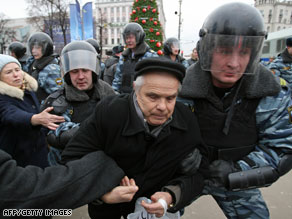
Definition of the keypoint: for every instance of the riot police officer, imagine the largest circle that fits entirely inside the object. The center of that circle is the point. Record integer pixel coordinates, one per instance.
(242, 111)
(171, 50)
(82, 91)
(43, 64)
(95, 44)
(18, 51)
(137, 49)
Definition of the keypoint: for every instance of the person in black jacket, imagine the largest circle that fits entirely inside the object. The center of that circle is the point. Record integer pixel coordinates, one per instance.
(148, 135)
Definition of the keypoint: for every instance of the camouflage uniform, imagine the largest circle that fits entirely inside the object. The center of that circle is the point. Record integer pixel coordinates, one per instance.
(142, 51)
(49, 78)
(274, 128)
(281, 67)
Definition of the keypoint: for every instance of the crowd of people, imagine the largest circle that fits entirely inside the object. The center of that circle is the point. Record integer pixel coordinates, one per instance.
(76, 131)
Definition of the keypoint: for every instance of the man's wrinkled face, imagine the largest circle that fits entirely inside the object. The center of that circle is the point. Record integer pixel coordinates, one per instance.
(81, 78)
(131, 41)
(228, 65)
(157, 97)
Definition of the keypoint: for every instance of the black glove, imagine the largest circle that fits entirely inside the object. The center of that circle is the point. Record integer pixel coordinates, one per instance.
(191, 163)
(219, 171)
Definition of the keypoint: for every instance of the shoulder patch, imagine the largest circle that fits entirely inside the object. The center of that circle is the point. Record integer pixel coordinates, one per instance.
(59, 81)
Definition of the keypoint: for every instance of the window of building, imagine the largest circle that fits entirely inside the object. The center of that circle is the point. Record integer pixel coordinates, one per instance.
(112, 19)
(118, 19)
(280, 15)
(118, 40)
(105, 41)
(123, 9)
(113, 41)
(112, 9)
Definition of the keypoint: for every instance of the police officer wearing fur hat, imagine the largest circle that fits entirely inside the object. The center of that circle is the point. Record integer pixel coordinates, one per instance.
(243, 110)
(82, 91)
(282, 65)
(148, 134)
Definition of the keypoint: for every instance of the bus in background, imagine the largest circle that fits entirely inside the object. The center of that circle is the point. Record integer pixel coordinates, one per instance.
(274, 45)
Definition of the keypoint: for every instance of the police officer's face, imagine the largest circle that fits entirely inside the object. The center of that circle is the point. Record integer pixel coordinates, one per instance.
(157, 97)
(228, 65)
(37, 51)
(131, 41)
(174, 50)
(81, 78)
(12, 75)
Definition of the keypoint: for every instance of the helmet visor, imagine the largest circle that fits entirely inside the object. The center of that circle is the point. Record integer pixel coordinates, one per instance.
(77, 59)
(230, 53)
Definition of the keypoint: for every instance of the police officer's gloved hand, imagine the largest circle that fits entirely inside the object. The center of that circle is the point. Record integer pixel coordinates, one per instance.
(191, 163)
(219, 171)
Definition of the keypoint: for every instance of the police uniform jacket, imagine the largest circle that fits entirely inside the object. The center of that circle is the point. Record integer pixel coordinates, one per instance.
(259, 129)
(116, 129)
(18, 137)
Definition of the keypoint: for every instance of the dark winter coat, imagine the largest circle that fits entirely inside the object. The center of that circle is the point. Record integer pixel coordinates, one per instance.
(153, 162)
(18, 137)
(59, 187)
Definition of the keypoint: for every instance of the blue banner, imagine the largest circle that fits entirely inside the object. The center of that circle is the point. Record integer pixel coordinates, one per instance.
(75, 22)
(87, 21)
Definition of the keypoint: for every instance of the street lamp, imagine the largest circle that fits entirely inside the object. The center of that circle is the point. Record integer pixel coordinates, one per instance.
(179, 19)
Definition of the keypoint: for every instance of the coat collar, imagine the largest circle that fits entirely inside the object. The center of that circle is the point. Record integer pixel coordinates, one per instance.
(31, 85)
(197, 83)
(134, 124)
(141, 49)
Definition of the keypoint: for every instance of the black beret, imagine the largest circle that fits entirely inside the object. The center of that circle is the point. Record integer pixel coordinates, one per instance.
(289, 42)
(160, 64)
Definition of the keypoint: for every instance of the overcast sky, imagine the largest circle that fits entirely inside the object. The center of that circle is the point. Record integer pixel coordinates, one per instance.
(193, 16)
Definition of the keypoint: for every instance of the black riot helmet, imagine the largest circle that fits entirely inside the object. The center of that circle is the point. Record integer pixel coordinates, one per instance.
(43, 40)
(17, 48)
(135, 29)
(95, 44)
(169, 44)
(79, 54)
(234, 25)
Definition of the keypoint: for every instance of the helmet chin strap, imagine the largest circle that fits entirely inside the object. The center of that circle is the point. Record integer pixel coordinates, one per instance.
(231, 111)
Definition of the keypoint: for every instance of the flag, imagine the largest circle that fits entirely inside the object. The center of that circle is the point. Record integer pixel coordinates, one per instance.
(87, 21)
(75, 22)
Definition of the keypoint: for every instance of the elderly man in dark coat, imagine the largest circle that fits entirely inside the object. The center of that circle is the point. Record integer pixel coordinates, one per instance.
(148, 134)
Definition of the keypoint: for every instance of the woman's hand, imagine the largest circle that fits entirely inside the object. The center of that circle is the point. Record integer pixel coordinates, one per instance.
(46, 119)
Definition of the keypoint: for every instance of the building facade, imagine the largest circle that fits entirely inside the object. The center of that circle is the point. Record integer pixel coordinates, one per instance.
(111, 16)
(277, 14)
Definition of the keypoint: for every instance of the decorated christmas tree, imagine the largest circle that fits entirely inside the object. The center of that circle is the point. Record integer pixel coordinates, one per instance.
(145, 13)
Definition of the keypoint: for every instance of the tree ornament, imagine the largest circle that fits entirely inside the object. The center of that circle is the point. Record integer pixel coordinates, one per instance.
(136, 19)
(144, 10)
(159, 52)
(134, 11)
(151, 19)
(154, 10)
(148, 7)
(137, 0)
(155, 23)
(158, 44)
(157, 33)
(152, 41)
(143, 21)
(151, 30)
